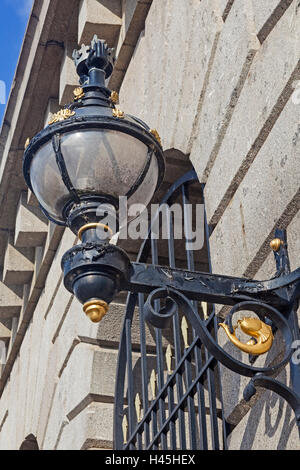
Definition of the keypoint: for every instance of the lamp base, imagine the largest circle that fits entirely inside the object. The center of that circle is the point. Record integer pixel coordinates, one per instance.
(95, 269)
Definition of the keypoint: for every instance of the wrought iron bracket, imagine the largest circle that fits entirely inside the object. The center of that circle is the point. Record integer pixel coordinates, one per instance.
(166, 294)
(279, 292)
(274, 300)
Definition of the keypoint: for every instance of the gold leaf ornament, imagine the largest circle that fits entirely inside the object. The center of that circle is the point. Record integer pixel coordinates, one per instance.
(62, 115)
(125, 428)
(156, 135)
(117, 113)
(169, 359)
(153, 384)
(204, 310)
(78, 93)
(184, 330)
(138, 407)
(114, 97)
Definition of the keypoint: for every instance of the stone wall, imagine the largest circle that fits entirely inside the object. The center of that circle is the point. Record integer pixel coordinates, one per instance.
(225, 84)
(219, 80)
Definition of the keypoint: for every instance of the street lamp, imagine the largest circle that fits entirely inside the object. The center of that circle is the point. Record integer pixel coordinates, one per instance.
(91, 154)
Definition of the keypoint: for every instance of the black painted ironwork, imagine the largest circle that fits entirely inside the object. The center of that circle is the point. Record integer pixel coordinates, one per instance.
(185, 411)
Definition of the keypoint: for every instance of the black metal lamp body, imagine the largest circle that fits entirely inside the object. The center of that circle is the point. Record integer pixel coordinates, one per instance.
(89, 156)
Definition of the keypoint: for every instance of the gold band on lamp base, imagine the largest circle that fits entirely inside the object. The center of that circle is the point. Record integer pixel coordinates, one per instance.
(95, 225)
(95, 310)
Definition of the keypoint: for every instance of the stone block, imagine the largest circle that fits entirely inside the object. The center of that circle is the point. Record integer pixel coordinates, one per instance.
(69, 402)
(5, 335)
(236, 48)
(39, 363)
(265, 93)
(175, 83)
(262, 11)
(204, 28)
(31, 226)
(99, 370)
(267, 14)
(38, 262)
(172, 40)
(41, 416)
(92, 428)
(67, 76)
(131, 101)
(68, 79)
(294, 241)
(18, 265)
(101, 17)
(72, 323)
(10, 301)
(240, 242)
(223, 4)
(134, 15)
(31, 199)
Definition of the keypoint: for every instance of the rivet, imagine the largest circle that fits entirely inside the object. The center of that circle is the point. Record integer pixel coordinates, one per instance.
(275, 244)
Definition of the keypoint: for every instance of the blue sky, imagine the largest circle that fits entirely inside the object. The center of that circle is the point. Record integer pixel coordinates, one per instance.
(14, 16)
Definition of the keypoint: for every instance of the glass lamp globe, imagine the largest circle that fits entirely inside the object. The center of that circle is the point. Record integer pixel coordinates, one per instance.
(99, 162)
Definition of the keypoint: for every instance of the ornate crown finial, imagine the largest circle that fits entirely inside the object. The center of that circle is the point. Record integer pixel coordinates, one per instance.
(96, 55)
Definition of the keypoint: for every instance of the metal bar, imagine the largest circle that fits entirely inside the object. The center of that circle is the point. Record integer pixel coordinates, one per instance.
(144, 368)
(172, 424)
(183, 400)
(154, 422)
(176, 336)
(159, 355)
(130, 397)
(212, 405)
(282, 390)
(283, 268)
(179, 384)
(191, 406)
(211, 379)
(121, 372)
(60, 161)
(190, 176)
(170, 382)
(142, 176)
(140, 441)
(295, 365)
(213, 288)
(203, 443)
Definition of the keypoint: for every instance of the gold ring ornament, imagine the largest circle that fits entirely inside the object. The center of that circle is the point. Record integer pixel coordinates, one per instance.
(95, 225)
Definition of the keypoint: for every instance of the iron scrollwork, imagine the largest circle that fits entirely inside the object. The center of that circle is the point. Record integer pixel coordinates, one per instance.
(260, 376)
(262, 310)
(171, 293)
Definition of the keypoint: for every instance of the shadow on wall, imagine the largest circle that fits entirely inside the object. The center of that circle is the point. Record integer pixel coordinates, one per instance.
(30, 443)
(277, 416)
